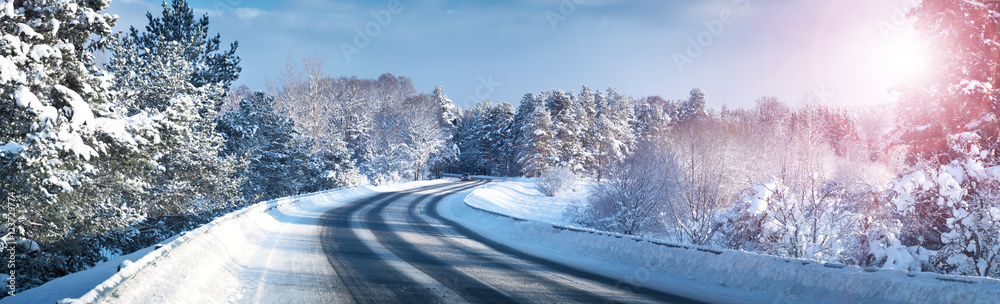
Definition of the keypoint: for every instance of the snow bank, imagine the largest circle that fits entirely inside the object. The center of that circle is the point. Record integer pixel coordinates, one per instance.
(697, 272)
(209, 256)
(519, 198)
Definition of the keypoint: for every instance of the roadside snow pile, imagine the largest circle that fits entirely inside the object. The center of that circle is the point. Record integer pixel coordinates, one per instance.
(520, 198)
(701, 273)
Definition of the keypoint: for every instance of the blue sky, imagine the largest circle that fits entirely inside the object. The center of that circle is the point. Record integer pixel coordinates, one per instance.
(842, 52)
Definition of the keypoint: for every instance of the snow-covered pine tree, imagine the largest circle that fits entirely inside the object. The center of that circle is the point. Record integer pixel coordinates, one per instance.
(611, 134)
(694, 106)
(957, 93)
(562, 110)
(449, 113)
(178, 23)
(58, 119)
(586, 111)
(652, 118)
(493, 134)
(279, 159)
(949, 117)
(504, 157)
(537, 142)
(191, 176)
(468, 141)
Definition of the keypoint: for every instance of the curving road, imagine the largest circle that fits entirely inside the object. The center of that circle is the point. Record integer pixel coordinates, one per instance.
(396, 248)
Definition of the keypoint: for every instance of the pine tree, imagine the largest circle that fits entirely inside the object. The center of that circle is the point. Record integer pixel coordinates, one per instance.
(178, 24)
(694, 106)
(562, 109)
(586, 111)
(957, 93)
(278, 156)
(538, 151)
(950, 117)
(613, 138)
(449, 113)
(191, 176)
(58, 122)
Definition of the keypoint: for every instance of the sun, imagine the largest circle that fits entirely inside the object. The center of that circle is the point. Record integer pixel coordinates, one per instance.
(900, 59)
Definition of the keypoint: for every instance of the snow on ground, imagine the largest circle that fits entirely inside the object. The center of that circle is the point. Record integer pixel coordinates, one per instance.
(722, 276)
(518, 197)
(198, 266)
(77, 284)
(194, 258)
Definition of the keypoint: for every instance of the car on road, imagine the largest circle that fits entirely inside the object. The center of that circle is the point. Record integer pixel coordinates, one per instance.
(466, 177)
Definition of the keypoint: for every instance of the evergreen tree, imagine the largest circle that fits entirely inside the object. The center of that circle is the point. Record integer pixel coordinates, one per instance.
(538, 151)
(449, 113)
(957, 92)
(950, 117)
(694, 106)
(58, 120)
(586, 111)
(612, 136)
(278, 156)
(178, 24)
(563, 112)
(191, 176)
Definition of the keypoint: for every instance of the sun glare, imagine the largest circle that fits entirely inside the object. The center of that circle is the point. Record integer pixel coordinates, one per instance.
(899, 59)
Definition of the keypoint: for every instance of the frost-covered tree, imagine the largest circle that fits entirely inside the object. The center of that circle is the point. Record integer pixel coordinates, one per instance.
(610, 136)
(949, 117)
(957, 93)
(772, 218)
(449, 113)
(537, 139)
(59, 123)
(567, 142)
(426, 136)
(583, 153)
(191, 176)
(278, 156)
(210, 65)
(631, 198)
(694, 106)
(488, 145)
(951, 209)
(651, 118)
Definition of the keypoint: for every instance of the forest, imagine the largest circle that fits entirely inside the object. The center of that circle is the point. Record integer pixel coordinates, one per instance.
(113, 141)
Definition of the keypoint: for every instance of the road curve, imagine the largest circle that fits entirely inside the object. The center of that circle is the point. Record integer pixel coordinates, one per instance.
(396, 248)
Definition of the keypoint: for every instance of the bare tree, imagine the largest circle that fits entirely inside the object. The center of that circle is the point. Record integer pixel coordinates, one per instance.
(700, 185)
(630, 198)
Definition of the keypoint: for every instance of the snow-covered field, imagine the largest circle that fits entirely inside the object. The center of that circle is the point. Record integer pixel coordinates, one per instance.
(702, 273)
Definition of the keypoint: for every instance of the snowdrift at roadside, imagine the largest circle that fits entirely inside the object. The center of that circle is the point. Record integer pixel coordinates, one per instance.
(698, 272)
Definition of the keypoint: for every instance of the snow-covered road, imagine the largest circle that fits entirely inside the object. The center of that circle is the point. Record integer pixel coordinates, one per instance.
(385, 247)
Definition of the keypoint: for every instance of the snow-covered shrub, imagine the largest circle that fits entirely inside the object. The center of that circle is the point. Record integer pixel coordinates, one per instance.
(953, 211)
(630, 199)
(555, 180)
(771, 218)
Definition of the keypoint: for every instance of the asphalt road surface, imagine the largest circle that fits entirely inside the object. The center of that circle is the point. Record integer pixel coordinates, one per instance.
(396, 248)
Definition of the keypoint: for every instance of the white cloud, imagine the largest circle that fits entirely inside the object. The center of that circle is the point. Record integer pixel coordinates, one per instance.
(247, 13)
